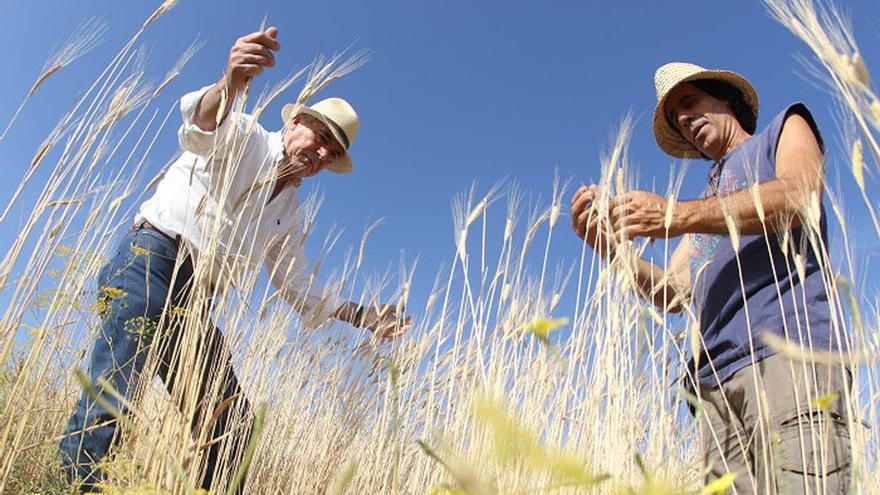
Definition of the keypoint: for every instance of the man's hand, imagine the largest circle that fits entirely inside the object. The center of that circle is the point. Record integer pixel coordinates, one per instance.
(641, 214)
(386, 320)
(588, 224)
(581, 204)
(249, 56)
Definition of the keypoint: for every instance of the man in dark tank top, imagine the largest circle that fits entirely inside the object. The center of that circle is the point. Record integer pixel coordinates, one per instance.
(752, 261)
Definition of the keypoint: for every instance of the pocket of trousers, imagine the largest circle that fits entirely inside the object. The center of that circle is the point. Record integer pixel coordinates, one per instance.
(814, 444)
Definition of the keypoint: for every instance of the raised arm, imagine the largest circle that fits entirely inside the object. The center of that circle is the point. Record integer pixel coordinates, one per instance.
(247, 58)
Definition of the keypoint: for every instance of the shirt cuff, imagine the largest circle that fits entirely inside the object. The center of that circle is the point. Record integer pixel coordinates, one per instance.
(319, 307)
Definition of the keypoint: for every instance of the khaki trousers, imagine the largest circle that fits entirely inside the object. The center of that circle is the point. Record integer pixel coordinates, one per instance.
(765, 425)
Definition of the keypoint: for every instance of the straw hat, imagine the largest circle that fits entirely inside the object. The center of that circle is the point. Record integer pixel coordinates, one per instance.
(339, 116)
(667, 78)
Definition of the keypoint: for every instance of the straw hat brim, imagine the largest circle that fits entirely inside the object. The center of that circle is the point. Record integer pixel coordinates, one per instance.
(669, 139)
(341, 165)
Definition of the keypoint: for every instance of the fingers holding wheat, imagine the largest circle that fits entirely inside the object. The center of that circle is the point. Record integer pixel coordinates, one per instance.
(250, 55)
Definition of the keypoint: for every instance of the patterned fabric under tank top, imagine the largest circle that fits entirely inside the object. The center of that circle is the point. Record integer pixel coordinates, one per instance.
(768, 293)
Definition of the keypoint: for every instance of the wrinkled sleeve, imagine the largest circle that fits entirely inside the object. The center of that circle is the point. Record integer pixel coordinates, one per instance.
(288, 271)
(236, 154)
(230, 133)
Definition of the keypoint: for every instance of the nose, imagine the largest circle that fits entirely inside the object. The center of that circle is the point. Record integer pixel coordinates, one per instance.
(317, 153)
(324, 154)
(684, 120)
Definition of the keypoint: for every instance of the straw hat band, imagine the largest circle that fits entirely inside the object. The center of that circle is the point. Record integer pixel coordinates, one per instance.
(670, 76)
(339, 133)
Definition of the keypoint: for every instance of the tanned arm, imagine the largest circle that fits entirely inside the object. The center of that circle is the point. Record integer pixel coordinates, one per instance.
(799, 170)
(247, 58)
(669, 289)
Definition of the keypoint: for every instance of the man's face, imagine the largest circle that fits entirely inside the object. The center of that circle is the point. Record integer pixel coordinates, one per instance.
(705, 121)
(309, 146)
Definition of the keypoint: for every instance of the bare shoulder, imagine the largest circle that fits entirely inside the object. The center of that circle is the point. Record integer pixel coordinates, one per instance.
(799, 150)
(798, 135)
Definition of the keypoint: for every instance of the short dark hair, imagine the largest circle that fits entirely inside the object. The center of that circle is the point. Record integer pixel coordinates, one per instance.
(744, 113)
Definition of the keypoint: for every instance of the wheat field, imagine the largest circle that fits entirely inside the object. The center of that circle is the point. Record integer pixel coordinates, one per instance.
(498, 389)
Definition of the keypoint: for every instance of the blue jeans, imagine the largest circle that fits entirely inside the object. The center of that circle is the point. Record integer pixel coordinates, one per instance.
(132, 291)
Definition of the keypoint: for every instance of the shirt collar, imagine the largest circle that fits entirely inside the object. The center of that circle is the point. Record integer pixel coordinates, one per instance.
(276, 145)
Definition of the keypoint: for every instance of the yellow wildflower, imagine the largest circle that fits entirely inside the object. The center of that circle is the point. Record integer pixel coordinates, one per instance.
(719, 486)
(114, 292)
(541, 327)
(139, 251)
(447, 490)
(178, 311)
(35, 332)
(824, 402)
(101, 306)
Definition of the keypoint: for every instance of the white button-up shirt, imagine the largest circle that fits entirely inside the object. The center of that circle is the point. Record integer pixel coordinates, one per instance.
(218, 190)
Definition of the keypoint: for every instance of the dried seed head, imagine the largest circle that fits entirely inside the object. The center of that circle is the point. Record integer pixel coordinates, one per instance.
(476, 212)
(128, 96)
(784, 240)
(554, 215)
(508, 228)
(814, 210)
(86, 37)
(800, 264)
(756, 198)
(165, 7)
(179, 65)
(857, 71)
(670, 209)
(858, 163)
(695, 343)
(555, 300)
(505, 292)
(875, 112)
(732, 229)
(461, 245)
(116, 202)
(326, 71)
(621, 185)
(654, 315)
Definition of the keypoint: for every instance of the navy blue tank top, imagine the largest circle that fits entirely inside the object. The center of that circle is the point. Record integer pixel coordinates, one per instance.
(733, 309)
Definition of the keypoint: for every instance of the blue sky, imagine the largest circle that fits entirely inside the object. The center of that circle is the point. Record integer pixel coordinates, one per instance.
(456, 93)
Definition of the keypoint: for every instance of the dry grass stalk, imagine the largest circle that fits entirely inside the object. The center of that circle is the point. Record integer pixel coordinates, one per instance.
(87, 36)
(598, 393)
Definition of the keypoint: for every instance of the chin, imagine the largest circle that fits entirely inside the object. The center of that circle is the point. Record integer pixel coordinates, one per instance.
(707, 147)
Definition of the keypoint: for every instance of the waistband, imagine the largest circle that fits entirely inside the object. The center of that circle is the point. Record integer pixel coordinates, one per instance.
(143, 224)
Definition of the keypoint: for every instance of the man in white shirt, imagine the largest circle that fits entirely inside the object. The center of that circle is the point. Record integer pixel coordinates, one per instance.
(230, 202)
